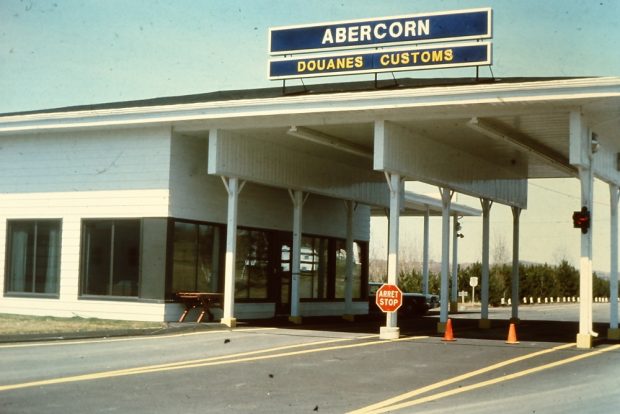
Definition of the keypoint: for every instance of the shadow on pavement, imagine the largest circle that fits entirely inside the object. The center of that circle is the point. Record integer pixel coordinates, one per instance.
(527, 330)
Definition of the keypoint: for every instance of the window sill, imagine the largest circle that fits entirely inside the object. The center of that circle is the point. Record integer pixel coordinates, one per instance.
(29, 295)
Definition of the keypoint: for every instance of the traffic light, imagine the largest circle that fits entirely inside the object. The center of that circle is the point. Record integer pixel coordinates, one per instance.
(581, 219)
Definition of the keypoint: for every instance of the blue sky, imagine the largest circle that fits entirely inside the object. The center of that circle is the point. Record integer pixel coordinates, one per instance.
(57, 53)
(66, 52)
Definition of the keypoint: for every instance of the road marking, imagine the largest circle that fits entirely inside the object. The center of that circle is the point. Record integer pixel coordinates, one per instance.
(440, 384)
(64, 342)
(220, 360)
(494, 381)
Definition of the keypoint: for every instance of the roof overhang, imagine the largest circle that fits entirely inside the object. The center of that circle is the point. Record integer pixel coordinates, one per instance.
(511, 130)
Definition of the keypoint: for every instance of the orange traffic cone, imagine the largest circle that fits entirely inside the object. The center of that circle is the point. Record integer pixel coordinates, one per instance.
(512, 335)
(448, 336)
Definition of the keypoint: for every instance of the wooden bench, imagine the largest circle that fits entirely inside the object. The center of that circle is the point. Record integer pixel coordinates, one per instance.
(193, 300)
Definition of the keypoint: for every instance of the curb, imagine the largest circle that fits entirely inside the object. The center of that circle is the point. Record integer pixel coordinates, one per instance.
(170, 329)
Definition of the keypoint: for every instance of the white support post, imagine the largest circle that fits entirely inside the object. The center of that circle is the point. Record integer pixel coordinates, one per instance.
(454, 286)
(586, 332)
(348, 291)
(446, 197)
(425, 264)
(516, 214)
(581, 155)
(297, 196)
(391, 329)
(484, 322)
(233, 188)
(613, 332)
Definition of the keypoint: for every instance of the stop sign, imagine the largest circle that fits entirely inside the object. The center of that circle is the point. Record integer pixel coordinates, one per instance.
(389, 298)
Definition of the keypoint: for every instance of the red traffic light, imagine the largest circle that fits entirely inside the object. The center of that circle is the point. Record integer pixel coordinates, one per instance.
(581, 219)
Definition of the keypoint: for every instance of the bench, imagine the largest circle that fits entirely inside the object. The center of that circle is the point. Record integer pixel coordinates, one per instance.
(193, 300)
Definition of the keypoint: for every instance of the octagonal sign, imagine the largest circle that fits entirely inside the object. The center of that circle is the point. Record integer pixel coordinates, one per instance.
(389, 298)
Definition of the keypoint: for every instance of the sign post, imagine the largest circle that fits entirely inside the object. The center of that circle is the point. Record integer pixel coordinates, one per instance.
(389, 298)
(473, 282)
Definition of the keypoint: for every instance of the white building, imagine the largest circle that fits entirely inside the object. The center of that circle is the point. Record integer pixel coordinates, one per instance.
(108, 210)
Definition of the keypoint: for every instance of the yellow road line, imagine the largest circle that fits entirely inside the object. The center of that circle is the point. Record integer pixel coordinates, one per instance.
(495, 380)
(440, 384)
(225, 359)
(61, 342)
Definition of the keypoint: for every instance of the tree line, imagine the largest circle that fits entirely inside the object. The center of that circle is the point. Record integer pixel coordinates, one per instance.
(535, 280)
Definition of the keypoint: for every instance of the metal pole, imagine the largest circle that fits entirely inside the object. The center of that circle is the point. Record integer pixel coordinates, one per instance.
(297, 198)
(348, 291)
(613, 331)
(232, 187)
(454, 304)
(484, 284)
(516, 214)
(446, 196)
(391, 330)
(425, 252)
(586, 332)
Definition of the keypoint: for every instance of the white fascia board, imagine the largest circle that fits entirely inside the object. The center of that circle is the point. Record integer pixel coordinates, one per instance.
(498, 94)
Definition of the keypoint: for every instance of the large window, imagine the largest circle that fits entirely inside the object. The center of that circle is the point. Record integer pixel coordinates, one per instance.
(359, 257)
(252, 267)
(196, 257)
(33, 256)
(111, 257)
(313, 268)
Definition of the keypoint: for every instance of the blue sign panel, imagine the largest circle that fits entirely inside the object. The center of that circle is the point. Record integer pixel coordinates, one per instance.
(417, 28)
(473, 54)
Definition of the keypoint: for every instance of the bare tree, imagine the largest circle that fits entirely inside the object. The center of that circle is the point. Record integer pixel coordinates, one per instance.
(500, 249)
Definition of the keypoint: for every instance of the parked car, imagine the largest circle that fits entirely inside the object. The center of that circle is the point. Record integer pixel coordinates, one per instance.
(414, 304)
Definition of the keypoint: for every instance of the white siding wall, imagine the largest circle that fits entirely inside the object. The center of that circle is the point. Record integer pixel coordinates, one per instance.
(133, 173)
(76, 175)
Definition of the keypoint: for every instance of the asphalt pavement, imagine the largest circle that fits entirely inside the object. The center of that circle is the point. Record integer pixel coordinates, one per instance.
(324, 365)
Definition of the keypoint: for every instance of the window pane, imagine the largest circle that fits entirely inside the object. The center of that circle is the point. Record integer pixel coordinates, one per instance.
(208, 258)
(111, 257)
(47, 257)
(126, 260)
(252, 264)
(341, 268)
(21, 256)
(97, 256)
(184, 257)
(357, 270)
(33, 256)
(313, 268)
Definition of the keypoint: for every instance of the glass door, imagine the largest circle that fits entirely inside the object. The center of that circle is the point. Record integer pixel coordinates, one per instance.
(282, 271)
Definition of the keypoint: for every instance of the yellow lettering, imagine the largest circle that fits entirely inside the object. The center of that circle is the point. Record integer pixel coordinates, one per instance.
(359, 61)
(384, 60)
(437, 55)
(301, 66)
(448, 55)
(426, 56)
